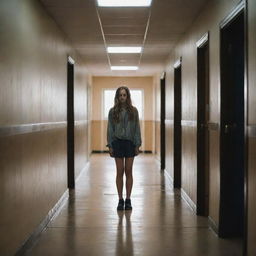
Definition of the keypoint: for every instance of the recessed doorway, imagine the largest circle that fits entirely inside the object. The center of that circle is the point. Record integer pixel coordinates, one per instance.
(232, 134)
(177, 125)
(162, 125)
(202, 207)
(70, 124)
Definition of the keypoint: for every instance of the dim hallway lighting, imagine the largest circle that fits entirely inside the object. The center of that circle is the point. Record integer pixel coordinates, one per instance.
(124, 67)
(124, 3)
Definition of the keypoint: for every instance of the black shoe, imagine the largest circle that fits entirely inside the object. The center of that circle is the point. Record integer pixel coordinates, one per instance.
(128, 205)
(120, 205)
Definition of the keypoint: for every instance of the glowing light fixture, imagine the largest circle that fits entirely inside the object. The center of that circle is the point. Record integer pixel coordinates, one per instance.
(124, 49)
(124, 67)
(124, 3)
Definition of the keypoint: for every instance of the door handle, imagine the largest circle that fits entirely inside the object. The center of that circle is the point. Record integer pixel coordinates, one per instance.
(203, 125)
(229, 127)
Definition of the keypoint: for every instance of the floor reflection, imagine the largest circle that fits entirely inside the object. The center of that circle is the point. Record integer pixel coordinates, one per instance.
(124, 242)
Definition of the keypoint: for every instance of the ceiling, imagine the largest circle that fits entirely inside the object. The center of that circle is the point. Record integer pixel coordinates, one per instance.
(91, 29)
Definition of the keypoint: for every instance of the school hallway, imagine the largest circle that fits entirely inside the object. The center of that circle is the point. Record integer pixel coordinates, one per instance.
(188, 69)
(161, 223)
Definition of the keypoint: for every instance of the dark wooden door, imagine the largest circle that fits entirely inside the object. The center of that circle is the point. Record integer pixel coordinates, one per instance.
(162, 128)
(177, 127)
(70, 125)
(202, 129)
(232, 143)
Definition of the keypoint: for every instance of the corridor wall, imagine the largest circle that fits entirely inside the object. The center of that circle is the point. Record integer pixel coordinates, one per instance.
(208, 19)
(33, 119)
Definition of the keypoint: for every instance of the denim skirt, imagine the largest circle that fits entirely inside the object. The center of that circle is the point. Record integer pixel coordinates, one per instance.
(123, 148)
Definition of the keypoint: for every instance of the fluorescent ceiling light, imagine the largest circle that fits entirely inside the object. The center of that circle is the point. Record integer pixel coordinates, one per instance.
(123, 3)
(124, 67)
(124, 49)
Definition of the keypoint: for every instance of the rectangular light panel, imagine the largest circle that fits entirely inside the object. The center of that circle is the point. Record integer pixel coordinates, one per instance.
(124, 3)
(124, 49)
(124, 67)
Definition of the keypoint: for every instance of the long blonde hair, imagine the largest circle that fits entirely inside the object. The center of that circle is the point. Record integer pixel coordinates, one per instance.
(117, 105)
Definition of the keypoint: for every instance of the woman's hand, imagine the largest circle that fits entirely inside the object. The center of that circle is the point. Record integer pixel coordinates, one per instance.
(111, 151)
(137, 151)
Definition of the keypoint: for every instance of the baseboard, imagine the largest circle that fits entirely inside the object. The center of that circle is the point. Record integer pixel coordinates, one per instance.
(191, 204)
(99, 151)
(169, 178)
(184, 195)
(31, 240)
(188, 200)
(35, 235)
(147, 151)
(213, 225)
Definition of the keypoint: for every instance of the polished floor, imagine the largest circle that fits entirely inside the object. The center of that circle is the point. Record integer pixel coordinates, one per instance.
(161, 223)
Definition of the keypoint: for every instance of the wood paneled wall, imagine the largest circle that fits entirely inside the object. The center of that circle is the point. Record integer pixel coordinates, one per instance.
(33, 115)
(208, 20)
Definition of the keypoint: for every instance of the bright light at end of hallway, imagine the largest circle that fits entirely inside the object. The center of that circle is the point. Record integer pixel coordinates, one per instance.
(124, 67)
(124, 49)
(123, 3)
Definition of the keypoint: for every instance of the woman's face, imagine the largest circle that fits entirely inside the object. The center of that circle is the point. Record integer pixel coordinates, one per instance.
(122, 96)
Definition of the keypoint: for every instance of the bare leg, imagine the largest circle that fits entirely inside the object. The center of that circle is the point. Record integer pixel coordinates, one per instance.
(128, 174)
(119, 176)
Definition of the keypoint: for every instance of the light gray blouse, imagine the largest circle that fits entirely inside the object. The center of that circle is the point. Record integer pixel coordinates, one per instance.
(125, 129)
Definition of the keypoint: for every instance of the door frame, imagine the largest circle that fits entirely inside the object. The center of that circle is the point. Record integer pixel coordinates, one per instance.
(202, 173)
(177, 174)
(70, 124)
(162, 125)
(241, 7)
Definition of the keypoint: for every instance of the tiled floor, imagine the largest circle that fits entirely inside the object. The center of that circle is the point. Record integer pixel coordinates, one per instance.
(161, 223)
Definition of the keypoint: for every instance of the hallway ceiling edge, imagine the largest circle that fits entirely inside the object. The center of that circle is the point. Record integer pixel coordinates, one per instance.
(91, 29)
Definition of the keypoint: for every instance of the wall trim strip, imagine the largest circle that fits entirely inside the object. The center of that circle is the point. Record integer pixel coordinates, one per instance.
(81, 122)
(191, 123)
(188, 200)
(213, 126)
(10, 130)
(251, 131)
(170, 122)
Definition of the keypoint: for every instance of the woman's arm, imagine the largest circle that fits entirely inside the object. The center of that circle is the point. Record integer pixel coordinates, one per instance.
(137, 134)
(110, 129)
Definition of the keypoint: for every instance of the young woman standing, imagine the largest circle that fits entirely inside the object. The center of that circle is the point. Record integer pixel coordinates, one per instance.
(124, 140)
